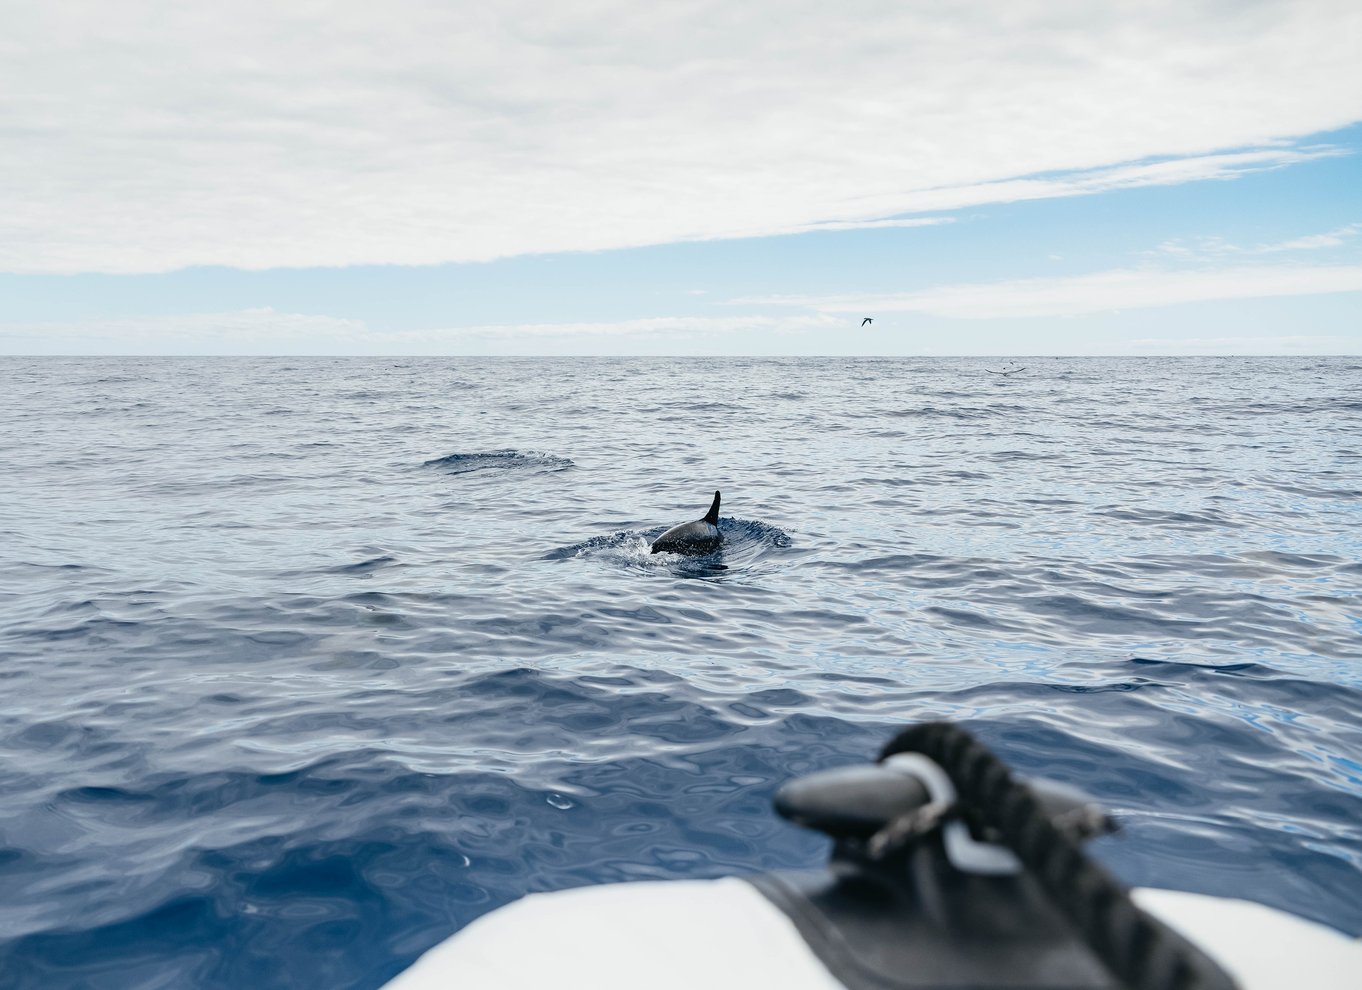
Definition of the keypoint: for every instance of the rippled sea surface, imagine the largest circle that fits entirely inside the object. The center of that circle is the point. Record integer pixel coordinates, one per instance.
(306, 663)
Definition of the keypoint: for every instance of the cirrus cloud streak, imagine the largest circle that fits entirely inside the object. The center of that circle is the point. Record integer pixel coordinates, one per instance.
(1097, 292)
(265, 331)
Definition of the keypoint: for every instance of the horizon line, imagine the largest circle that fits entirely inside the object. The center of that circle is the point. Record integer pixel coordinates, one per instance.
(708, 357)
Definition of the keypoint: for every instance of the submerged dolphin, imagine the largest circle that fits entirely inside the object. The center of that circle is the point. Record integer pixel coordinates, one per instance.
(700, 536)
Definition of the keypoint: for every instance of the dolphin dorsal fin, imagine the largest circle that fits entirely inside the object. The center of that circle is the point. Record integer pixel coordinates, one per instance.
(712, 516)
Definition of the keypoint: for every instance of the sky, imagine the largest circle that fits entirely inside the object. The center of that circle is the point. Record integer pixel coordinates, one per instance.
(714, 177)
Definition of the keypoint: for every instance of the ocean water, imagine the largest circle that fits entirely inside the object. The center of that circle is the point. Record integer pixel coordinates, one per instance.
(306, 663)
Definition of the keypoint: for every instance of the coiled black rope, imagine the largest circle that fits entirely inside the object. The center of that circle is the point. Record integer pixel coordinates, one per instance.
(1138, 951)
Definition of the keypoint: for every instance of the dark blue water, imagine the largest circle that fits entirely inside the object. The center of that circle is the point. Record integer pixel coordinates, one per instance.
(306, 663)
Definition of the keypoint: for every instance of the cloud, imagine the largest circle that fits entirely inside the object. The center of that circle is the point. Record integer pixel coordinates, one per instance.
(1312, 242)
(266, 331)
(868, 224)
(250, 331)
(144, 137)
(1263, 346)
(1078, 295)
(675, 327)
(1130, 176)
(1214, 247)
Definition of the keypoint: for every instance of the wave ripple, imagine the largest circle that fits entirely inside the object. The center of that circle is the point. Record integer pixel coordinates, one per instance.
(284, 700)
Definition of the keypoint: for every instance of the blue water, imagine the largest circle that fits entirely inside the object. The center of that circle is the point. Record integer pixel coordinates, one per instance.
(306, 663)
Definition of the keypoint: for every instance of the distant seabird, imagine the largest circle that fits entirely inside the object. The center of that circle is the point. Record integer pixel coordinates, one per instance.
(868, 319)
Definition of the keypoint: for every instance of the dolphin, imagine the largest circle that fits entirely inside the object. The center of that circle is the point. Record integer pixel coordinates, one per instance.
(697, 537)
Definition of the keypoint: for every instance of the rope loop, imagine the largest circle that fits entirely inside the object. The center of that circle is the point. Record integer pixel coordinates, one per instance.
(1138, 951)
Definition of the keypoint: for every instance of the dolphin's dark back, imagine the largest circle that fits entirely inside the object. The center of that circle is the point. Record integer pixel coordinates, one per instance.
(700, 536)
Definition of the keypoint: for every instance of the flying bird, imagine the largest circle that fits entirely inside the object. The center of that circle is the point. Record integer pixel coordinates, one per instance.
(868, 319)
